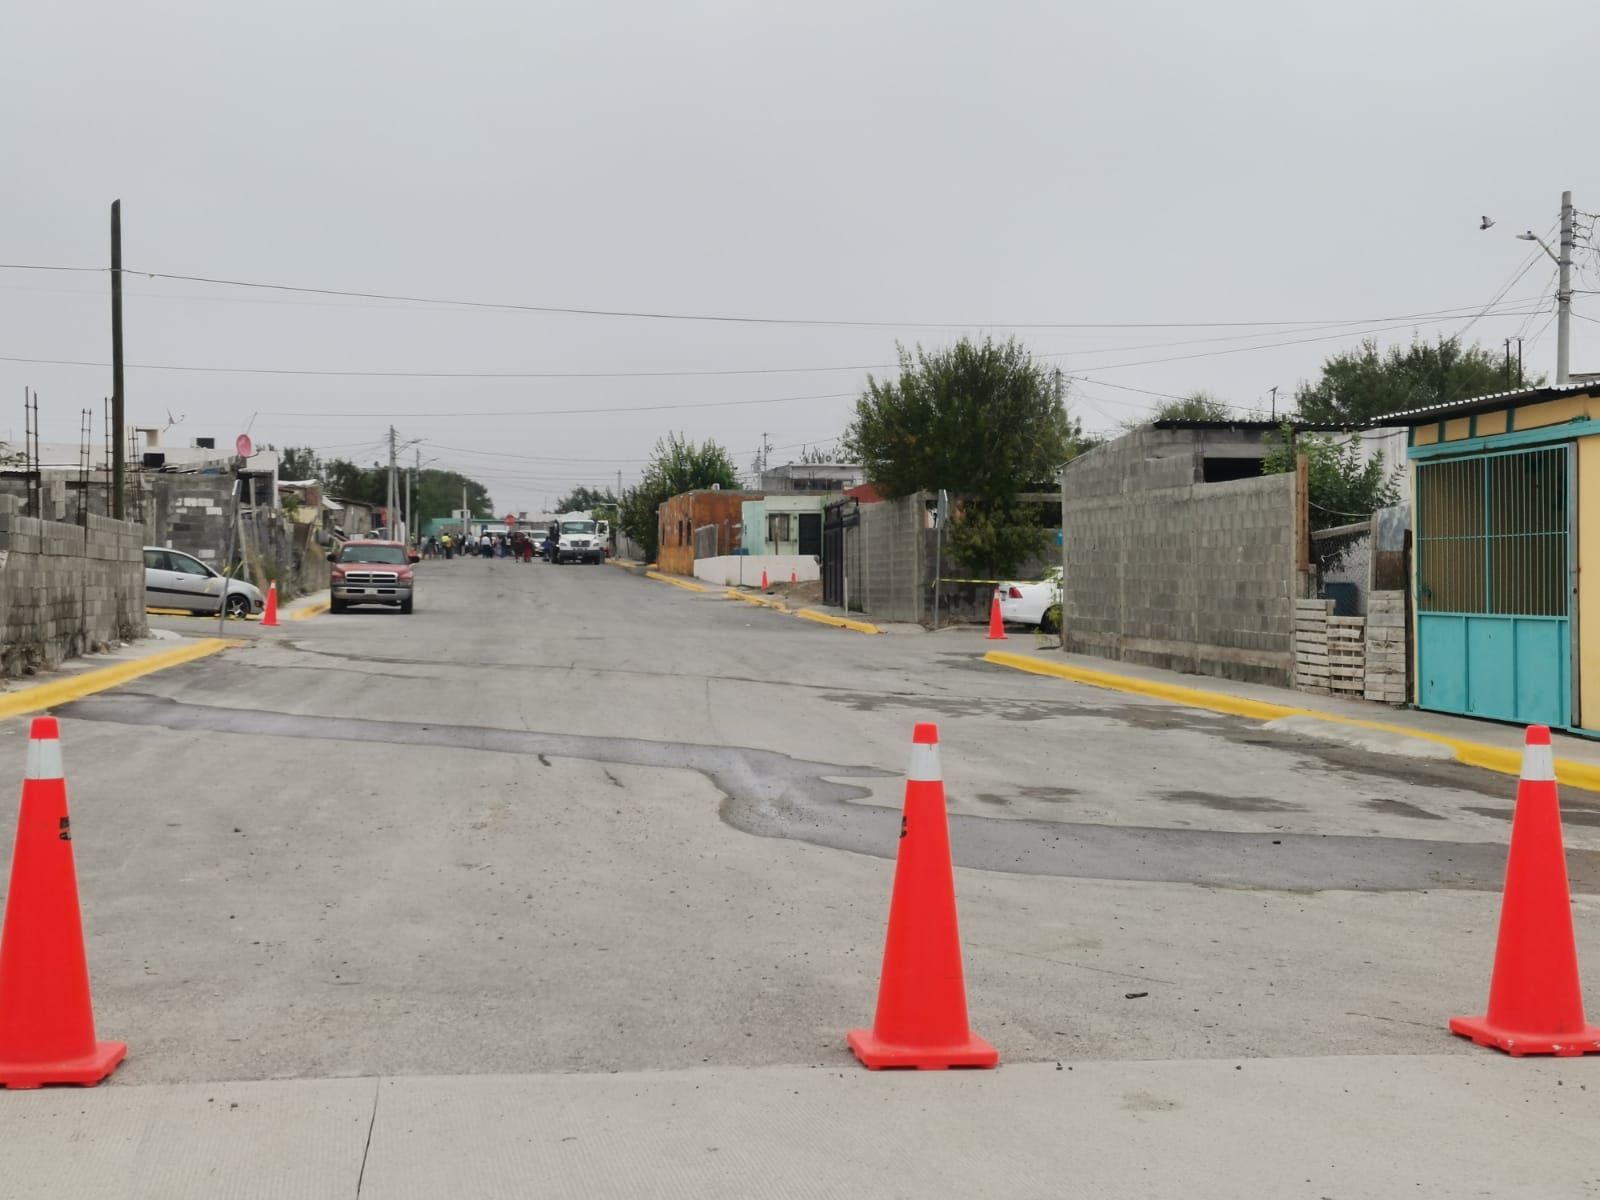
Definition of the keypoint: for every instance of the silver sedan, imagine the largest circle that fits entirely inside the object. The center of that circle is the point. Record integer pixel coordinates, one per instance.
(173, 579)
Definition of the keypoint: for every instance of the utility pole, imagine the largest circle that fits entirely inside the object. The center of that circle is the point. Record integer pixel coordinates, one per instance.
(118, 411)
(1274, 403)
(1564, 292)
(413, 495)
(392, 494)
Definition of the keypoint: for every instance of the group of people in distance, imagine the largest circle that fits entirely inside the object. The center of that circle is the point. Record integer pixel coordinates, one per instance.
(515, 545)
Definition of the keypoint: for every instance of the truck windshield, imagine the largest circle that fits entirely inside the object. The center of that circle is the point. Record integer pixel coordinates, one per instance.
(577, 527)
(372, 554)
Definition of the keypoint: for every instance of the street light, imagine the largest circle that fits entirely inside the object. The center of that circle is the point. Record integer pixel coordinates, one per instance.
(1563, 263)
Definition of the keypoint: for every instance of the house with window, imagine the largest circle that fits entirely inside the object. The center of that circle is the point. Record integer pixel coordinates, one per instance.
(1504, 627)
(785, 524)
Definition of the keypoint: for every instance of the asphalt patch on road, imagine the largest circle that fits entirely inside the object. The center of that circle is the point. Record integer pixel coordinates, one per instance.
(772, 795)
(1243, 804)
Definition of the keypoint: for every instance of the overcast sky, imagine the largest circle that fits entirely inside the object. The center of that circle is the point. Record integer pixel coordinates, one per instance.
(988, 165)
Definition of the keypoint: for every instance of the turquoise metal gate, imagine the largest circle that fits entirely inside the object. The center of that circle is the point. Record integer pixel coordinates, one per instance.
(1495, 585)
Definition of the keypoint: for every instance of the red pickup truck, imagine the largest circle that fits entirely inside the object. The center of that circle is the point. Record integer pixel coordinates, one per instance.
(372, 572)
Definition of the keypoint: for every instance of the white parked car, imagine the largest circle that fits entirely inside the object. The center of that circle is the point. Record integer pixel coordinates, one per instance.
(1028, 603)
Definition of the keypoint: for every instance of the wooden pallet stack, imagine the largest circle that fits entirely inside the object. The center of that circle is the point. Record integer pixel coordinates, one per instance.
(1311, 672)
(1387, 678)
(1347, 656)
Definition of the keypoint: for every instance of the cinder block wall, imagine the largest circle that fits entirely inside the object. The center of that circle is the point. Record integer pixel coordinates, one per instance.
(889, 577)
(1199, 577)
(190, 513)
(66, 589)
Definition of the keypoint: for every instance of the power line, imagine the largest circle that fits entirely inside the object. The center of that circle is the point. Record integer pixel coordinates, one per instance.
(567, 412)
(1145, 362)
(1343, 331)
(723, 318)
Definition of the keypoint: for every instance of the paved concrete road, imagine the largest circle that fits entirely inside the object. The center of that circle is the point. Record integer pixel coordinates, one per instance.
(572, 820)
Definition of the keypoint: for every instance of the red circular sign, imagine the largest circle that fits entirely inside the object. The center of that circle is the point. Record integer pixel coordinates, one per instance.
(511, 518)
(244, 446)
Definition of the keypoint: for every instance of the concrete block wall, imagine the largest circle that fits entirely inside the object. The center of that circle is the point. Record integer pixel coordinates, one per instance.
(1141, 460)
(890, 575)
(66, 589)
(190, 513)
(1198, 578)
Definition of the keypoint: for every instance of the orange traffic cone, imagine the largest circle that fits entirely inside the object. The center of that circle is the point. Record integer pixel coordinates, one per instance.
(763, 580)
(270, 618)
(1535, 1000)
(997, 627)
(46, 1017)
(922, 1000)
(794, 576)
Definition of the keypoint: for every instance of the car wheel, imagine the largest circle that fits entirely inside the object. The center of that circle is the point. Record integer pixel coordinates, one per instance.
(238, 605)
(337, 606)
(405, 606)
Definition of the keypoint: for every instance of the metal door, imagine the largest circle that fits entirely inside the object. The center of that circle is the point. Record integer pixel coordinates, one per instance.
(1495, 585)
(837, 517)
(810, 533)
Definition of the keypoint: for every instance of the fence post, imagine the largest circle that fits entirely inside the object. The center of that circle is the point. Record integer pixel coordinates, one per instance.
(1302, 511)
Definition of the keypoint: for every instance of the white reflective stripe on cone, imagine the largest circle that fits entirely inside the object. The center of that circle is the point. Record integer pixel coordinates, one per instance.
(1539, 764)
(44, 759)
(924, 763)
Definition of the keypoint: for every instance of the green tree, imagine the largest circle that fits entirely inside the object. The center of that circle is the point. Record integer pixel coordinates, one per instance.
(1357, 386)
(677, 466)
(434, 493)
(299, 462)
(586, 499)
(986, 421)
(1343, 487)
(437, 494)
(1197, 406)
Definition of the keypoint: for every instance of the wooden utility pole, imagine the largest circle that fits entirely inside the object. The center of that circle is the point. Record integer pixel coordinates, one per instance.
(119, 442)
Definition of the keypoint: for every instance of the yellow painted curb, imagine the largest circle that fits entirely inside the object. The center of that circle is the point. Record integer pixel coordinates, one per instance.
(1501, 759)
(778, 605)
(65, 691)
(622, 562)
(194, 616)
(315, 609)
(683, 583)
(811, 614)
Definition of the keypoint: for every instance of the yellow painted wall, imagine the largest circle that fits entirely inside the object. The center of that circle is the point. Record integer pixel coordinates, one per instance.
(1554, 412)
(1588, 484)
(1425, 435)
(1491, 423)
(1458, 429)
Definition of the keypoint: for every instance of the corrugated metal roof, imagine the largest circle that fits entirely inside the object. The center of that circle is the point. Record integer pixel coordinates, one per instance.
(1432, 412)
(1251, 425)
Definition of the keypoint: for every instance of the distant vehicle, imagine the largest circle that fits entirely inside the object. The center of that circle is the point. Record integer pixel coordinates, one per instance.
(1030, 603)
(173, 579)
(579, 535)
(369, 572)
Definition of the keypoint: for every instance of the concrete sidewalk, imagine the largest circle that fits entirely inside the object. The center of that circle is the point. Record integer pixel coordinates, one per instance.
(1471, 1123)
(1380, 728)
(91, 673)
